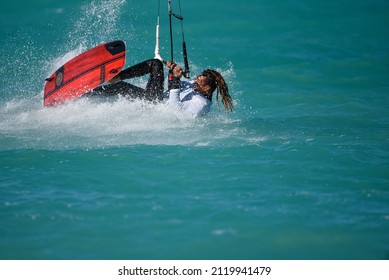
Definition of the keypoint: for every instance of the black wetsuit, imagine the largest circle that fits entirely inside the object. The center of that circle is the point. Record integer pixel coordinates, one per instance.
(154, 87)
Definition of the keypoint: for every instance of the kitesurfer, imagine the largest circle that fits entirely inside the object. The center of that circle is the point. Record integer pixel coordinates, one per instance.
(193, 97)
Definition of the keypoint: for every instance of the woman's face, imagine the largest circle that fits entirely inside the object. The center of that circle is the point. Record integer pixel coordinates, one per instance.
(200, 85)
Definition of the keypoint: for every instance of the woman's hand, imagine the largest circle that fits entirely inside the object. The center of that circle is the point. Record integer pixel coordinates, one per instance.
(176, 69)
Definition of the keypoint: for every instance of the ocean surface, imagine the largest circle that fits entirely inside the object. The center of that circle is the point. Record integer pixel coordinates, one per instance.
(299, 170)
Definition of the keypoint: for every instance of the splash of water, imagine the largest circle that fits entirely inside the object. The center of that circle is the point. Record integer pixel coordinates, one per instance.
(97, 23)
(92, 124)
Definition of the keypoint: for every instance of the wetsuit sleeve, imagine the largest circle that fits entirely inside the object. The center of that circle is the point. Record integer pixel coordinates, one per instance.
(196, 106)
(173, 82)
(174, 98)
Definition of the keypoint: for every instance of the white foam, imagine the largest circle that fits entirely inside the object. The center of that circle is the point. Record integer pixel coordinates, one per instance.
(95, 124)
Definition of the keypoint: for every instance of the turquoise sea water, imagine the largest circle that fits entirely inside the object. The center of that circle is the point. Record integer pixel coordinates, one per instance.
(300, 170)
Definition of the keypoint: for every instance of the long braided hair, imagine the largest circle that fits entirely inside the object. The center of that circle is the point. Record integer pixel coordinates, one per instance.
(215, 80)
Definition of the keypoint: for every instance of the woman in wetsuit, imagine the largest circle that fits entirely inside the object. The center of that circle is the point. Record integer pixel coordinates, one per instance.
(194, 97)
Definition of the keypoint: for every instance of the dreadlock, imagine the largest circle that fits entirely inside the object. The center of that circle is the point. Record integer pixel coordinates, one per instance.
(215, 80)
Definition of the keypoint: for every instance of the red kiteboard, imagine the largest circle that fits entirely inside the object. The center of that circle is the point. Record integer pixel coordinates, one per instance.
(84, 72)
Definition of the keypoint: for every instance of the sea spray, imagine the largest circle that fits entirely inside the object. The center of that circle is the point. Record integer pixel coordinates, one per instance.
(96, 24)
(89, 123)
